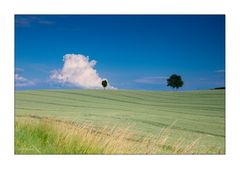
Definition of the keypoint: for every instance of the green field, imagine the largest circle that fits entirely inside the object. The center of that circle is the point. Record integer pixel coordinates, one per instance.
(192, 115)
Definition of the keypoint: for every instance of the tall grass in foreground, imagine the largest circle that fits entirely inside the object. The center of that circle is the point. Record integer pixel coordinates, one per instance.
(50, 136)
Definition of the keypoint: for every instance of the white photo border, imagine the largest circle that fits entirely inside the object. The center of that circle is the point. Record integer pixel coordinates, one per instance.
(227, 7)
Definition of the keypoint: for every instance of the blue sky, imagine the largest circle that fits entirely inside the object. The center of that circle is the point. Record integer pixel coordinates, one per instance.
(131, 51)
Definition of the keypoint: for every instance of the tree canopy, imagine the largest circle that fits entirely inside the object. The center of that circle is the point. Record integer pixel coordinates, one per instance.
(175, 81)
(104, 84)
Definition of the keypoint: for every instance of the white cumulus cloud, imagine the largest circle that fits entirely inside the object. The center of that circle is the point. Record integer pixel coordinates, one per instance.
(79, 71)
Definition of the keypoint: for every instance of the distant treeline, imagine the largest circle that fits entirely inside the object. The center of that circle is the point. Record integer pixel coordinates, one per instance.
(218, 88)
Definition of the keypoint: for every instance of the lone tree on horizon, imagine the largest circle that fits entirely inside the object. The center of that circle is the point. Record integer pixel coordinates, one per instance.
(175, 81)
(104, 83)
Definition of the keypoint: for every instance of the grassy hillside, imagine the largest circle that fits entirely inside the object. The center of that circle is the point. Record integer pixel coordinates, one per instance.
(195, 114)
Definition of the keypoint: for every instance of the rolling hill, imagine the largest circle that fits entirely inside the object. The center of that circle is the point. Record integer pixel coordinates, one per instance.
(191, 114)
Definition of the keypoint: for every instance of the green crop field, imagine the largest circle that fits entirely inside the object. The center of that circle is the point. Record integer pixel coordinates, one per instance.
(191, 117)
